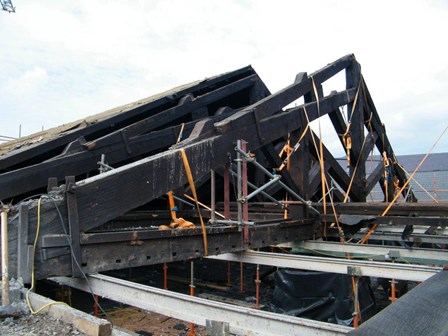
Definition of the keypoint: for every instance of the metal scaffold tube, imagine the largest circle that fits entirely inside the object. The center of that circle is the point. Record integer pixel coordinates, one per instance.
(242, 154)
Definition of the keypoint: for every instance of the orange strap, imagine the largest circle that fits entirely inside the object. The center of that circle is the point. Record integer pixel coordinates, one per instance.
(193, 191)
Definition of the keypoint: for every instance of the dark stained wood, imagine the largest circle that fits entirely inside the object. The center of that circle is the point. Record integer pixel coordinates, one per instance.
(375, 177)
(355, 117)
(41, 151)
(179, 245)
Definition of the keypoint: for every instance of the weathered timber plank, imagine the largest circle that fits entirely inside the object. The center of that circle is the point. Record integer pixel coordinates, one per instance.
(186, 105)
(291, 120)
(336, 171)
(130, 180)
(382, 142)
(42, 151)
(34, 177)
(119, 255)
(355, 117)
(274, 103)
(139, 182)
(374, 177)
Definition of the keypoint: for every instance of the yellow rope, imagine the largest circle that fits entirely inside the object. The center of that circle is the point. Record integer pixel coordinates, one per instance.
(193, 191)
(34, 312)
(179, 138)
(353, 174)
(341, 232)
(321, 160)
(293, 150)
(373, 228)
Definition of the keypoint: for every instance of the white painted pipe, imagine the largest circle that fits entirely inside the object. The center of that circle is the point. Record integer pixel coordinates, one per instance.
(5, 261)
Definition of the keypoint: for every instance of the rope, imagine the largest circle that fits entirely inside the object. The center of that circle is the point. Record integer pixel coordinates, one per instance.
(418, 183)
(179, 138)
(353, 174)
(373, 228)
(321, 160)
(193, 191)
(292, 149)
(341, 232)
(34, 312)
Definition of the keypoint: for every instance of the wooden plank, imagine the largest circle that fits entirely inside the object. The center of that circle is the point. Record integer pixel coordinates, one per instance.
(186, 105)
(382, 142)
(374, 177)
(41, 151)
(336, 171)
(130, 180)
(274, 103)
(355, 117)
(280, 124)
(34, 177)
(180, 246)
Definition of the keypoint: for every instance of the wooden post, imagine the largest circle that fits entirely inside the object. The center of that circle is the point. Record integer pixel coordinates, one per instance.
(355, 117)
(5, 260)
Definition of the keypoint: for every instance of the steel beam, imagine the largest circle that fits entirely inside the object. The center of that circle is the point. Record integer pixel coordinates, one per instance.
(334, 265)
(242, 321)
(413, 238)
(377, 252)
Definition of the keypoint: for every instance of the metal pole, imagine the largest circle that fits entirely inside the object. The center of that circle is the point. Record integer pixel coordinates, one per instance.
(253, 186)
(165, 276)
(239, 166)
(227, 191)
(241, 277)
(263, 169)
(212, 196)
(192, 333)
(263, 187)
(5, 261)
(257, 288)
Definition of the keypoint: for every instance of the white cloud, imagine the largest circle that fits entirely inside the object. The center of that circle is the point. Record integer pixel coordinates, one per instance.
(95, 55)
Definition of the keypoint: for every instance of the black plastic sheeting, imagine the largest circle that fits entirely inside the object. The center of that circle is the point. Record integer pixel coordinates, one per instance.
(320, 296)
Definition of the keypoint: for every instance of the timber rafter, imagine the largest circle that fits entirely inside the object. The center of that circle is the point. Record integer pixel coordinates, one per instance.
(144, 143)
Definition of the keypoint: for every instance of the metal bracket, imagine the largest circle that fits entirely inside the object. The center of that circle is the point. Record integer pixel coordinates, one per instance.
(354, 271)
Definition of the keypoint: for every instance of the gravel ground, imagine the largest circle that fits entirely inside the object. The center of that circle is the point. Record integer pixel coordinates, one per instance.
(16, 319)
(36, 325)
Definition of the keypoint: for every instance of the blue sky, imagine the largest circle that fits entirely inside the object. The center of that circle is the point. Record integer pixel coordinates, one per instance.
(64, 60)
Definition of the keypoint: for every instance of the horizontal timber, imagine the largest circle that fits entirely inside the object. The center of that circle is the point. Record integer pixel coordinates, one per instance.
(108, 251)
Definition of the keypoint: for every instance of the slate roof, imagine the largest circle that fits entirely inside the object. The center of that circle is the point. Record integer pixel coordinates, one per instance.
(432, 176)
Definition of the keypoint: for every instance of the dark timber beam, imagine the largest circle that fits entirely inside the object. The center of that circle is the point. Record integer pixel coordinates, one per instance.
(40, 151)
(382, 142)
(374, 177)
(355, 117)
